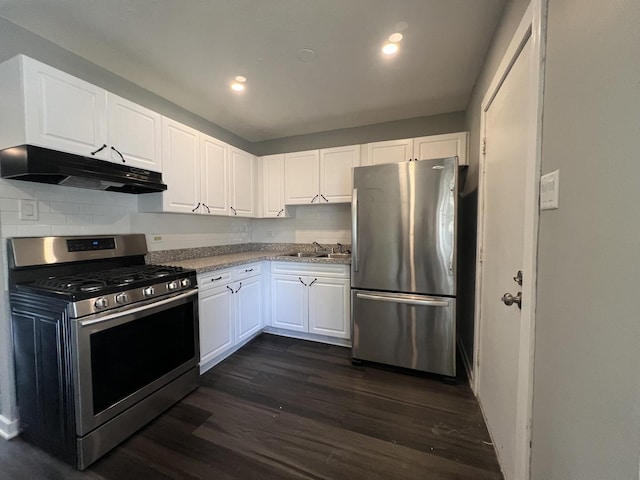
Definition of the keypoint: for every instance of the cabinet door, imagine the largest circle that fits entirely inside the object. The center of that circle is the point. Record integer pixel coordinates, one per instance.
(216, 322)
(392, 151)
(273, 185)
(214, 165)
(63, 112)
(249, 307)
(329, 307)
(301, 177)
(134, 131)
(289, 302)
(336, 173)
(242, 203)
(440, 146)
(181, 167)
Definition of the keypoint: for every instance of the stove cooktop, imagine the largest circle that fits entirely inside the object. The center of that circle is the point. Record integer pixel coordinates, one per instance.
(92, 284)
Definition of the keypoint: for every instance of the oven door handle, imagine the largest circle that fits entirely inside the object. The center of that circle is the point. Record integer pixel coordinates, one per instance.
(132, 311)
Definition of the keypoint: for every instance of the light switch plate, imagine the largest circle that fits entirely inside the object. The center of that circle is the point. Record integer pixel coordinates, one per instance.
(549, 186)
(28, 209)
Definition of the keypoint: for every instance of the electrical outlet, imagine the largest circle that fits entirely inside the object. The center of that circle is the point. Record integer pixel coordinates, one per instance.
(28, 209)
(549, 187)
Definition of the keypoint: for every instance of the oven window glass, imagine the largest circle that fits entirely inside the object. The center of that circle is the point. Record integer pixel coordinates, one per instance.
(128, 357)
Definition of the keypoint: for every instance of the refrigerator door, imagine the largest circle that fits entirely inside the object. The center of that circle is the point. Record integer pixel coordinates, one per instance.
(404, 227)
(411, 331)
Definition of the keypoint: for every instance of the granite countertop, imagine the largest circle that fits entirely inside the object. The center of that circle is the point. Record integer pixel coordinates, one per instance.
(224, 260)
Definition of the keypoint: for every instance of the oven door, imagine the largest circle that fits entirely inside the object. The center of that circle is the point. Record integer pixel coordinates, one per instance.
(124, 356)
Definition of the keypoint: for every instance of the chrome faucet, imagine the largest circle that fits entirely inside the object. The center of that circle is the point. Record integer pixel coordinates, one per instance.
(340, 247)
(319, 247)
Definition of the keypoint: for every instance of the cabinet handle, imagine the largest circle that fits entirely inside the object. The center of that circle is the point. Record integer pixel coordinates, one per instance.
(313, 199)
(238, 288)
(234, 210)
(197, 207)
(217, 278)
(280, 212)
(302, 282)
(116, 150)
(324, 198)
(205, 206)
(246, 270)
(99, 149)
(229, 288)
(313, 281)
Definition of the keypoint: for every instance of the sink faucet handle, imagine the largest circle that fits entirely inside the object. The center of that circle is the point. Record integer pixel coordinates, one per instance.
(340, 247)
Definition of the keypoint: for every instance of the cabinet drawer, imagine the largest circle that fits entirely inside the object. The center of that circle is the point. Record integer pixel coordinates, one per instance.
(248, 270)
(213, 279)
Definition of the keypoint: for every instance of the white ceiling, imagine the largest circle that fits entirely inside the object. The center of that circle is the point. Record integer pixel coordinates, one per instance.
(189, 51)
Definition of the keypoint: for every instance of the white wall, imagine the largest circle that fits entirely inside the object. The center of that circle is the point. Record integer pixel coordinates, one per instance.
(586, 405)
(319, 223)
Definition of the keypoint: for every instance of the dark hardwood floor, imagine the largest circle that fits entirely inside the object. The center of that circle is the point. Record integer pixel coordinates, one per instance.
(289, 409)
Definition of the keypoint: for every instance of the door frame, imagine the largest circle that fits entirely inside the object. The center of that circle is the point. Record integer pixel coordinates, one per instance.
(532, 27)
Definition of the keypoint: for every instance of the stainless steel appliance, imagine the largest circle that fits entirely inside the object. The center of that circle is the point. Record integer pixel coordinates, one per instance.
(103, 343)
(403, 268)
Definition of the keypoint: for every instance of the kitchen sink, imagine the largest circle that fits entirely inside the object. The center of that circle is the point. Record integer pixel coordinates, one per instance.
(318, 255)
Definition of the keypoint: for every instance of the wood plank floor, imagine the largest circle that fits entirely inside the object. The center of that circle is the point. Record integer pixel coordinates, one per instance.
(289, 409)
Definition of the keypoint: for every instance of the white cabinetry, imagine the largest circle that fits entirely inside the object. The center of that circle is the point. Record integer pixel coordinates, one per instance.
(181, 160)
(320, 176)
(231, 310)
(421, 148)
(311, 298)
(241, 184)
(214, 171)
(46, 107)
(273, 187)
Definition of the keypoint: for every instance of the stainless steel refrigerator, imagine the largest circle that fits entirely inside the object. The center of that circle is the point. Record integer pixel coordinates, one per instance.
(403, 266)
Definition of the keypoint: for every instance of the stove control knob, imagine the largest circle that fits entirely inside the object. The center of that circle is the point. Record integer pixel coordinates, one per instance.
(185, 282)
(101, 302)
(173, 285)
(122, 298)
(147, 292)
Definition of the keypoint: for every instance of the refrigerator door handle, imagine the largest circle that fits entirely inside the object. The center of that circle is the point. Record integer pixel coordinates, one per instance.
(354, 229)
(407, 299)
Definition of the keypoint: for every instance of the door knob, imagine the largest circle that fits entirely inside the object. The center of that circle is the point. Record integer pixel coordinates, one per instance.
(509, 299)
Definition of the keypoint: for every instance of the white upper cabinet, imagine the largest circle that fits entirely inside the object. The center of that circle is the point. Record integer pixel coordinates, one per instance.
(336, 173)
(242, 184)
(421, 148)
(440, 146)
(46, 107)
(392, 151)
(320, 176)
(181, 160)
(134, 134)
(301, 177)
(214, 168)
(273, 186)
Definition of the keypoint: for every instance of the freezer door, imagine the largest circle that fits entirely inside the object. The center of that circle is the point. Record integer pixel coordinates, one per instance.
(411, 331)
(404, 227)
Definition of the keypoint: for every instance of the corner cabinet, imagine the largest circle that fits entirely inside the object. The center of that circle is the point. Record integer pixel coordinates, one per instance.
(311, 298)
(320, 176)
(273, 205)
(242, 201)
(52, 109)
(231, 310)
(421, 148)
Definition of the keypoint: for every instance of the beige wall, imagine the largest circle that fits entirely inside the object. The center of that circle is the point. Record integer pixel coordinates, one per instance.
(586, 408)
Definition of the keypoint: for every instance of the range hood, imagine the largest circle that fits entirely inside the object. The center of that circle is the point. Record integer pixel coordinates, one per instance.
(37, 164)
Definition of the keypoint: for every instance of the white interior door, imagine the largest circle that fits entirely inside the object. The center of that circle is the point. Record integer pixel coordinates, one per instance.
(508, 206)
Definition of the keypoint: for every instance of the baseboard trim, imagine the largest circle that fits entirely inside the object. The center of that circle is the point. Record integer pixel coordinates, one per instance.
(466, 363)
(8, 428)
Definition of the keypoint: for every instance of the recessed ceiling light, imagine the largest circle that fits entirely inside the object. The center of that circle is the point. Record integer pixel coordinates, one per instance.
(306, 55)
(241, 79)
(396, 37)
(390, 48)
(238, 87)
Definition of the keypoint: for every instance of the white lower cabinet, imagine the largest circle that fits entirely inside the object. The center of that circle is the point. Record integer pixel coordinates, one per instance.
(311, 298)
(230, 310)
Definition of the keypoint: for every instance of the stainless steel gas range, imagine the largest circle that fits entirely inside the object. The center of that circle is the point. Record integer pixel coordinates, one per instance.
(103, 343)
